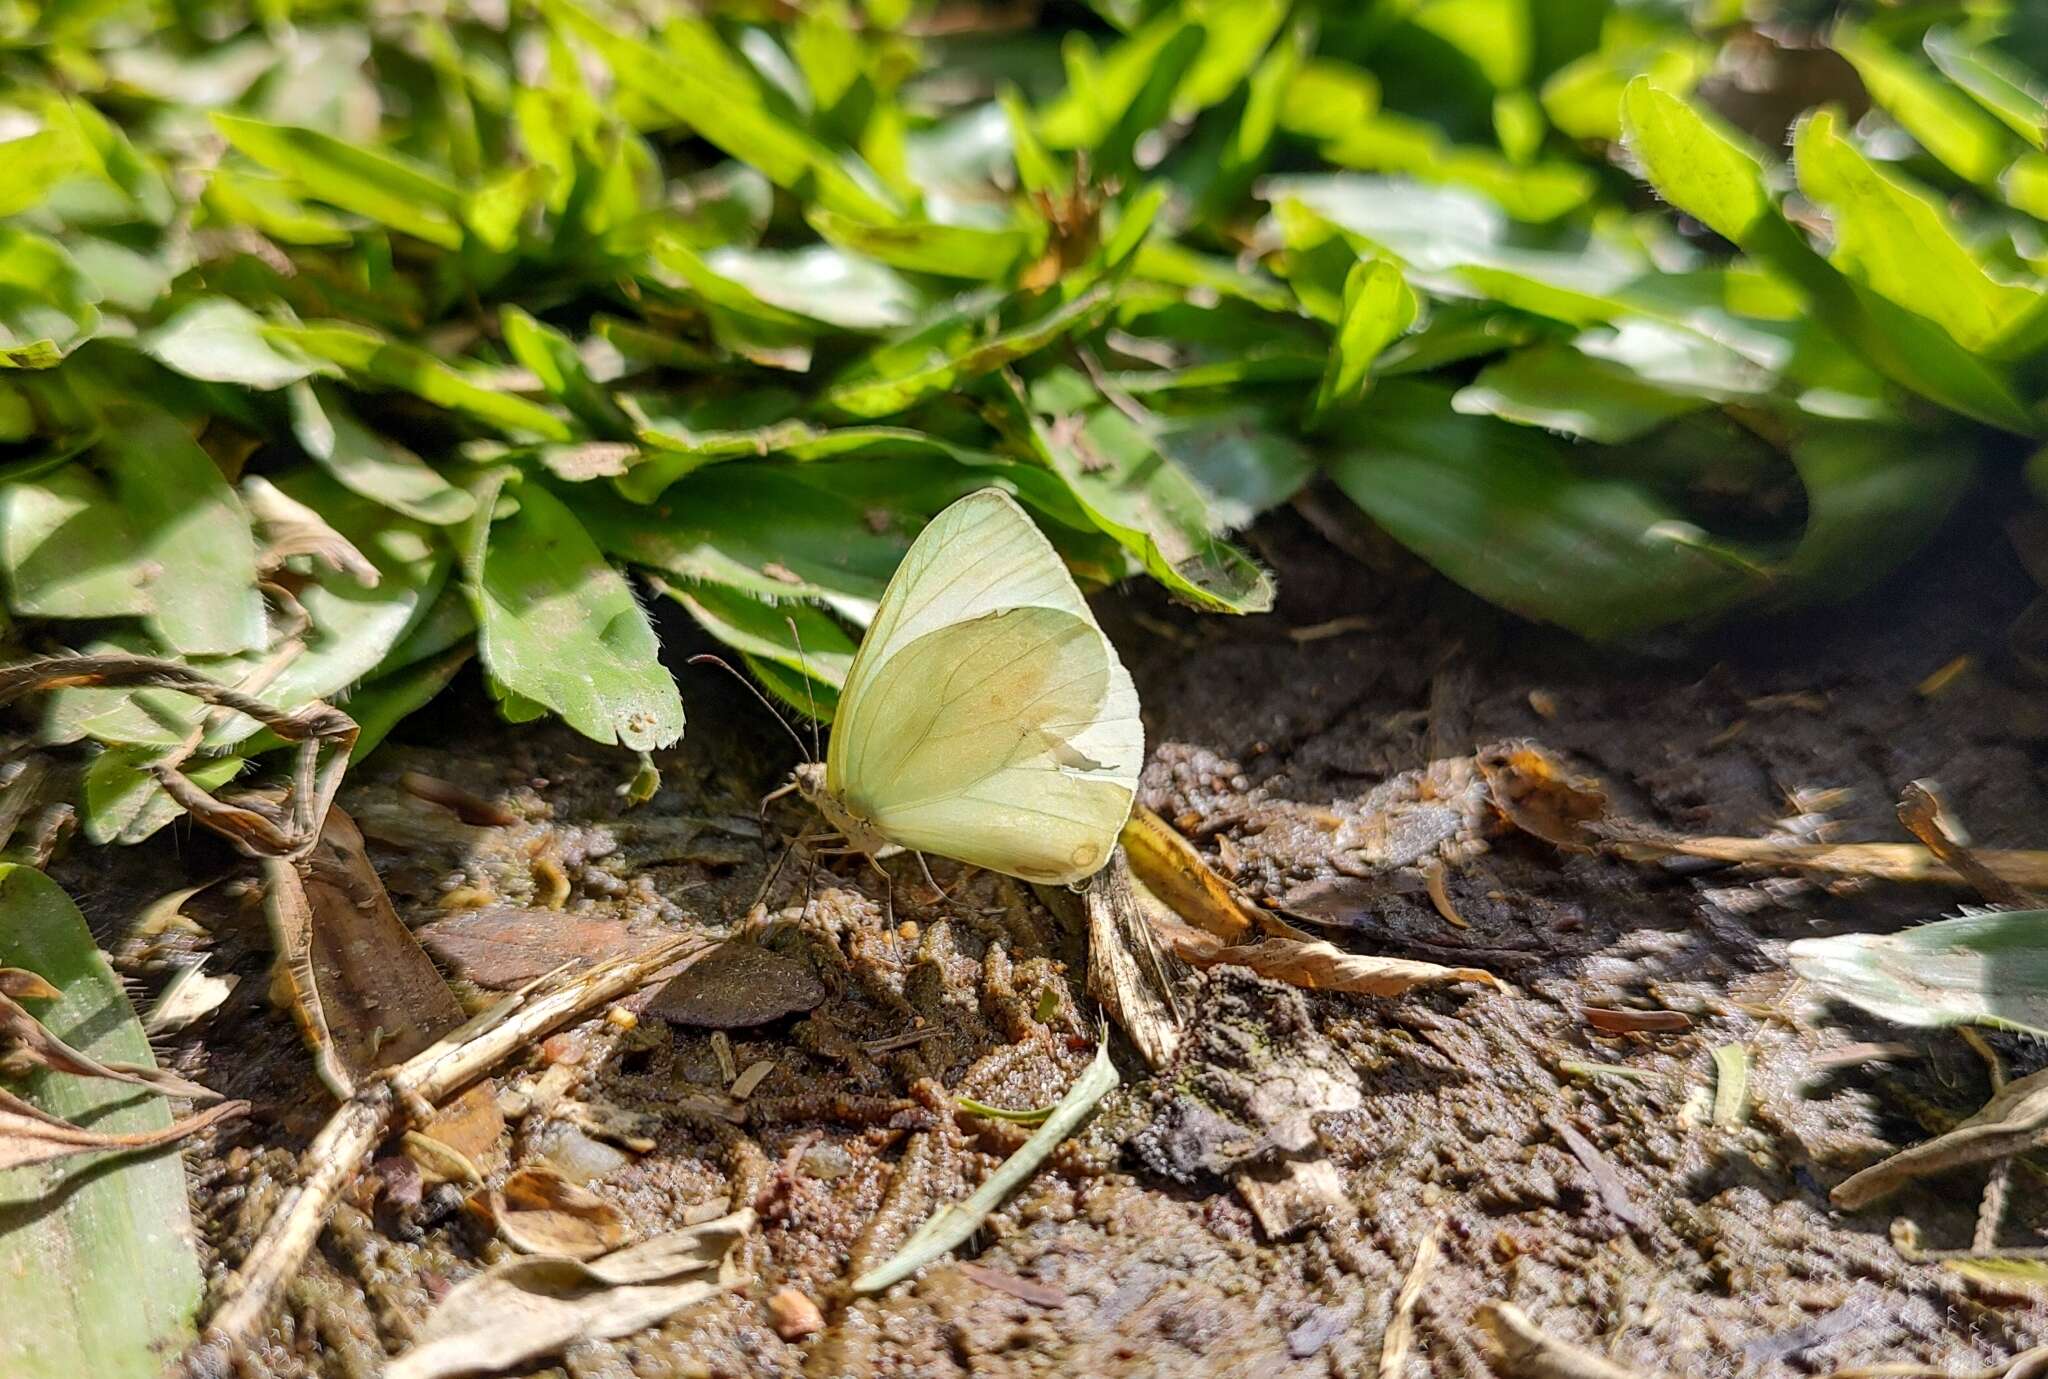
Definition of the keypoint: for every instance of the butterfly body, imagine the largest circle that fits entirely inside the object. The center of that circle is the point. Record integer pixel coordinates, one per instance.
(986, 717)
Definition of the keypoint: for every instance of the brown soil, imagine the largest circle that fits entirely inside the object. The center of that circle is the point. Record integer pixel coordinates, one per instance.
(1610, 1209)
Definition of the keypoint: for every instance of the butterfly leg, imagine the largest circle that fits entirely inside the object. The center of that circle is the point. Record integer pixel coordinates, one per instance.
(926, 867)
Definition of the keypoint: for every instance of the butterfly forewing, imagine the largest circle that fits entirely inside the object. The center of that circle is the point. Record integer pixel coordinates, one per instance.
(986, 716)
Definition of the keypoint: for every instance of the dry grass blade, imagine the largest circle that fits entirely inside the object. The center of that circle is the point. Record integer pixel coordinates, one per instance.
(530, 1308)
(1400, 1337)
(1924, 816)
(1318, 964)
(1525, 1352)
(2010, 1123)
(946, 1230)
(252, 830)
(48, 1051)
(1127, 971)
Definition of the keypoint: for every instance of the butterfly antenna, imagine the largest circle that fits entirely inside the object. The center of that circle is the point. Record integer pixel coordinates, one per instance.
(754, 690)
(817, 751)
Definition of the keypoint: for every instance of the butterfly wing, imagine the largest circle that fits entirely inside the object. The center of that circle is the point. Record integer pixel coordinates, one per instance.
(986, 717)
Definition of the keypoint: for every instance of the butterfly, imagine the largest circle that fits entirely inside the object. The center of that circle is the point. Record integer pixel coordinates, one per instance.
(986, 717)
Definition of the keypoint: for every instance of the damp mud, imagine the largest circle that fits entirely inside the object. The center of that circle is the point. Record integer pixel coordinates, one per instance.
(1255, 1208)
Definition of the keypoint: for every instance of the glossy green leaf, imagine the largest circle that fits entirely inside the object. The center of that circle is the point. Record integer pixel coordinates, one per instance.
(2006, 88)
(47, 306)
(1947, 123)
(1896, 238)
(190, 528)
(1137, 495)
(1379, 307)
(953, 251)
(1560, 389)
(816, 647)
(67, 551)
(558, 626)
(380, 186)
(124, 804)
(102, 1273)
(392, 364)
(222, 341)
(728, 115)
(1698, 164)
(372, 465)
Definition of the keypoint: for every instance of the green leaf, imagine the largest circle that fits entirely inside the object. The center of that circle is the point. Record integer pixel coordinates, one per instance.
(934, 360)
(67, 551)
(551, 356)
(729, 115)
(1948, 125)
(389, 363)
(124, 804)
(383, 187)
(191, 528)
(952, 251)
(222, 341)
(1983, 969)
(2002, 86)
(372, 465)
(1137, 495)
(1700, 165)
(1522, 518)
(1379, 307)
(47, 306)
(817, 648)
(104, 1277)
(558, 626)
(1895, 238)
(1556, 387)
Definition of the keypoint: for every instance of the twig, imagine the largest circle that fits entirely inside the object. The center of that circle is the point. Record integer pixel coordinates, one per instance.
(1882, 861)
(1528, 1353)
(407, 1093)
(2028, 1364)
(1400, 1337)
(251, 831)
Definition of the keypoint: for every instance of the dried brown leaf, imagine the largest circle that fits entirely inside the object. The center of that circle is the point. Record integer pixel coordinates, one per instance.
(1539, 795)
(539, 1212)
(1318, 964)
(18, 983)
(29, 1135)
(2012, 1122)
(529, 1308)
(53, 1053)
(1171, 869)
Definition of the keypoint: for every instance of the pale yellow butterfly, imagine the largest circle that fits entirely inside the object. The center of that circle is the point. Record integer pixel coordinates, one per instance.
(986, 717)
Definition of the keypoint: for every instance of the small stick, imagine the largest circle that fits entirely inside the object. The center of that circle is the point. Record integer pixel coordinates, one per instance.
(1527, 1352)
(1883, 861)
(408, 1092)
(1400, 1337)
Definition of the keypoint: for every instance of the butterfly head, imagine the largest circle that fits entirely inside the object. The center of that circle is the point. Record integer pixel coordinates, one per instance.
(812, 785)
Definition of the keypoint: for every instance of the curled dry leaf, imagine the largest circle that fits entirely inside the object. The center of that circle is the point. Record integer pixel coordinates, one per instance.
(20, 984)
(53, 1053)
(32, 1136)
(1318, 964)
(529, 1308)
(1171, 869)
(1538, 795)
(2010, 1123)
(539, 1212)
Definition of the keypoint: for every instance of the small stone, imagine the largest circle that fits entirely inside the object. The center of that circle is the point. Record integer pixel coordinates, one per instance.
(737, 985)
(562, 1048)
(794, 1316)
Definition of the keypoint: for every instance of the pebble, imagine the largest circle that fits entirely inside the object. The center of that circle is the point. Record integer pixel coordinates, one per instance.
(793, 1315)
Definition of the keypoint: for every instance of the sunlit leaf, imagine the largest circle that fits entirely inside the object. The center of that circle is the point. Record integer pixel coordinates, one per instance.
(558, 626)
(222, 341)
(1986, 969)
(114, 1284)
(378, 185)
(191, 529)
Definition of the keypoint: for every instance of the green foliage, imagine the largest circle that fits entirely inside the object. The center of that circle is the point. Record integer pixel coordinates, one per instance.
(342, 344)
(100, 1266)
